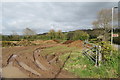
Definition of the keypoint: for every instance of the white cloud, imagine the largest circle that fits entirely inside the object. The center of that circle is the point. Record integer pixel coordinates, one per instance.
(44, 16)
(59, 0)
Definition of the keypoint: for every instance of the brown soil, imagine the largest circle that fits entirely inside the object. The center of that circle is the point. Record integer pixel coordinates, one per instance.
(29, 62)
(57, 41)
(88, 45)
(37, 42)
(50, 41)
(17, 72)
(47, 41)
(68, 42)
(77, 43)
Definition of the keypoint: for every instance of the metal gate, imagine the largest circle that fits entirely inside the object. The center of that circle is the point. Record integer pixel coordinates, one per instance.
(93, 53)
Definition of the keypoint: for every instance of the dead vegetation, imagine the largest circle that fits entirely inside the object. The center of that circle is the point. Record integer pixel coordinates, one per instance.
(24, 43)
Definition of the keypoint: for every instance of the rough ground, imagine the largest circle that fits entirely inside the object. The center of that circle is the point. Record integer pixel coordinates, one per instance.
(28, 62)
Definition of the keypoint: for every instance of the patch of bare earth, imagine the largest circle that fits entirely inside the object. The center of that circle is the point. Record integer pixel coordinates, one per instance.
(77, 43)
(28, 62)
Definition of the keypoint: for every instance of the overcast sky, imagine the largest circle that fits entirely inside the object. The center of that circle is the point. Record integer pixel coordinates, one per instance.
(43, 16)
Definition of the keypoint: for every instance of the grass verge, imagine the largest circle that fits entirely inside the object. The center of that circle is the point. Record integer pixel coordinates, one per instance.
(84, 68)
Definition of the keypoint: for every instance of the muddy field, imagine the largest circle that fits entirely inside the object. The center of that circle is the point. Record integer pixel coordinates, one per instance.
(38, 61)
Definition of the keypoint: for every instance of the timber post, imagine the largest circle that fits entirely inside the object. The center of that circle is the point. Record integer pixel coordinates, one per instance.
(100, 55)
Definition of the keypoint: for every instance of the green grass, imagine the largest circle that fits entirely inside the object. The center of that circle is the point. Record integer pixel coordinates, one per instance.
(84, 68)
(58, 49)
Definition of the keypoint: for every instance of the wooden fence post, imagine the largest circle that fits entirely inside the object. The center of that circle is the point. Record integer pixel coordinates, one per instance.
(100, 55)
(96, 62)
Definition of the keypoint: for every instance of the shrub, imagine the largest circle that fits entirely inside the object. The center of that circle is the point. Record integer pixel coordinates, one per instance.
(116, 40)
(25, 43)
(105, 49)
(8, 43)
(77, 35)
(80, 35)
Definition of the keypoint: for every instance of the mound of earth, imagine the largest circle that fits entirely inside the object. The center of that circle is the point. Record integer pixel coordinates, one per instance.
(68, 42)
(24, 43)
(77, 43)
(50, 41)
(57, 41)
(37, 42)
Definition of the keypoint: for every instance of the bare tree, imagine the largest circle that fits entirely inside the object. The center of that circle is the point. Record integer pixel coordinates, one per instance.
(28, 32)
(52, 34)
(104, 18)
(59, 34)
(15, 35)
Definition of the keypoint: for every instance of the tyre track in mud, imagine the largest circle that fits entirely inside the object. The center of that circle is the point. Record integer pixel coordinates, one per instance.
(35, 65)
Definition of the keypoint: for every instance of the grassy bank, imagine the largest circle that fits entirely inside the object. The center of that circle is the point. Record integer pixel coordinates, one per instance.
(84, 68)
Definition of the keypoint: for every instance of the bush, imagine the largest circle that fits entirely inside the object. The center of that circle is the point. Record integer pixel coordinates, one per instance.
(94, 40)
(25, 43)
(116, 40)
(105, 49)
(8, 43)
(80, 35)
(77, 35)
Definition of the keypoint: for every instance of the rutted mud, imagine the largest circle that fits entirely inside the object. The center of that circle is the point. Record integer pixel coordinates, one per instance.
(16, 72)
(34, 65)
(29, 62)
(40, 65)
(26, 67)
